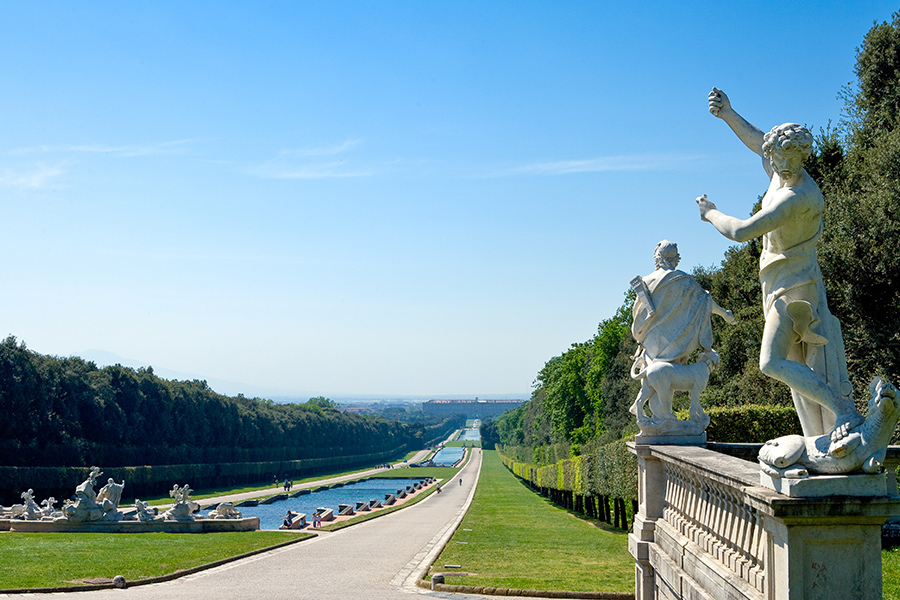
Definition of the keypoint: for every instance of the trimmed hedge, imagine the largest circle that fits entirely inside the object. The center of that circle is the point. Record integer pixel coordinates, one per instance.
(587, 482)
(750, 423)
(60, 482)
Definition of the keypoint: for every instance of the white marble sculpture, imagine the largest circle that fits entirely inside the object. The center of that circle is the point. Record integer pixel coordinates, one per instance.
(111, 493)
(30, 509)
(146, 513)
(672, 315)
(225, 510)
(802, 344)
(48, 508)
(184, 508)
(88, 506)
(864, 449)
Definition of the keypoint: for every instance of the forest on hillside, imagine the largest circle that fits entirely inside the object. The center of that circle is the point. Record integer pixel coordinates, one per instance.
(581, 398)
(67, 412)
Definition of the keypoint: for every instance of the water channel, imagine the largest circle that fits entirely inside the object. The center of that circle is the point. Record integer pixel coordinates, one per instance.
(469, 435)
(447, 457)
(270, 515)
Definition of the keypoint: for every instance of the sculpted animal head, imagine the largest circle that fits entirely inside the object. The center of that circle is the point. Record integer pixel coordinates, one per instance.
(711, 358)
(884, 402)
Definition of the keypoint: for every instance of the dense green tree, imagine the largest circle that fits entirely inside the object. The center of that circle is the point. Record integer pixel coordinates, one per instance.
(67, 412)
(861, 183)
(323, 402)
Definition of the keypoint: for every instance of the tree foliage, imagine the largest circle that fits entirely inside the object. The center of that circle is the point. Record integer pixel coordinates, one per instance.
(68, 412)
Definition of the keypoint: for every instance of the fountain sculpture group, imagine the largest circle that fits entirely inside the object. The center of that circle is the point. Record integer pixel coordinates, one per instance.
(91, 510)
(806, 521)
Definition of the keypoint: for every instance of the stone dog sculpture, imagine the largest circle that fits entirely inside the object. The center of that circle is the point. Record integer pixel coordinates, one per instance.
(660, 381)
(795, 456)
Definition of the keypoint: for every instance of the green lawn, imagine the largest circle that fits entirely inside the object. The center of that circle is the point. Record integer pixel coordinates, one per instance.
(224, 491)
(36, 560)
(513, 538)
(458, 444)
(890, 573)
(414, 472)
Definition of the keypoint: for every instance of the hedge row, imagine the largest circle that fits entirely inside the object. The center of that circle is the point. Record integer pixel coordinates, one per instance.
(610, 470)
(585, 483)
(750, 423)
(60, 482)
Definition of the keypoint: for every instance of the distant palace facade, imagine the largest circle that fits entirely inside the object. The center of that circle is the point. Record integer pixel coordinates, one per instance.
(473, 409)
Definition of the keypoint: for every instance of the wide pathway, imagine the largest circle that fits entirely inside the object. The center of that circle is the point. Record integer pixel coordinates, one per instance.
(375, 560)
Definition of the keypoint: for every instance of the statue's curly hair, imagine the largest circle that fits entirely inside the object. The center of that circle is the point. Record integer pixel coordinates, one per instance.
(666, 255)
(789, 137)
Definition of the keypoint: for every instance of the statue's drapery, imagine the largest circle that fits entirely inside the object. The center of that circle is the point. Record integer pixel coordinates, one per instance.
(680, 320)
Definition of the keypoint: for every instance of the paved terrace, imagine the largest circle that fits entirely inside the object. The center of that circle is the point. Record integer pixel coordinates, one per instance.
(375, 560)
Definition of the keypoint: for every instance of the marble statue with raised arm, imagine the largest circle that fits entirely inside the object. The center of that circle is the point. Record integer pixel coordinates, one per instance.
(671, 321)
(801, 344)
(110, 494)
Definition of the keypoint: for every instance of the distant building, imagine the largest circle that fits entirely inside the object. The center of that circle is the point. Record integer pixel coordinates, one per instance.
(473, 409)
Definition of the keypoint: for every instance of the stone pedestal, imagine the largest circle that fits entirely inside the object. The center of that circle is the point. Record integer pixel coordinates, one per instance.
(707, 529)
(821, 486)
(670, 440)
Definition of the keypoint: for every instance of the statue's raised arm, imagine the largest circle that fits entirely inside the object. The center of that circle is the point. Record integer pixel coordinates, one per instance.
(720, 106)
(801, 345)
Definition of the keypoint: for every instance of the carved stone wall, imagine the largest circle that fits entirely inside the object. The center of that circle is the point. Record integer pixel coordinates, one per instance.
(705, 529)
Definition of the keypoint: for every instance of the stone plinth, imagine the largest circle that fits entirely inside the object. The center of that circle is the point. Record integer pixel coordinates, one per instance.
(195, 526)
(706, 528)
(670, 440)
(821, 486)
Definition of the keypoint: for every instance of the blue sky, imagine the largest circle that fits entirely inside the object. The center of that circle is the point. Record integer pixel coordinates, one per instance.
(378, 198)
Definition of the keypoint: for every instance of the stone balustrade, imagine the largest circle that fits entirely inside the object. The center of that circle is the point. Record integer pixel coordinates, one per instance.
(705, 528)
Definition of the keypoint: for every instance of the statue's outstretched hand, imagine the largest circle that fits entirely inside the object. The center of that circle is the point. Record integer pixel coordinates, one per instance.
(705, 206)
(729, 317)
(718, 101)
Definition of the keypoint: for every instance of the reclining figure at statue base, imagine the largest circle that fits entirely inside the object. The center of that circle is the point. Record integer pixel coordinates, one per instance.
(863, 450)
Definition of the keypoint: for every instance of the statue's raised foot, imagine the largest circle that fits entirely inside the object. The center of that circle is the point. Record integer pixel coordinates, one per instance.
(844, 424)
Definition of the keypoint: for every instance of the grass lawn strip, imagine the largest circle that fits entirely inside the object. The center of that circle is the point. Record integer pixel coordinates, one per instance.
(264, 490)
(890, 573)
(513, 538)
(30, 561)
(444, 474)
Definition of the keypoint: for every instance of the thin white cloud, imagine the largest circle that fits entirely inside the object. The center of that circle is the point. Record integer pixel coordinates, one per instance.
(321, 151)
(309, 163)
(171, 147)
(34, 177)
(602, 164)
(310, 171)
